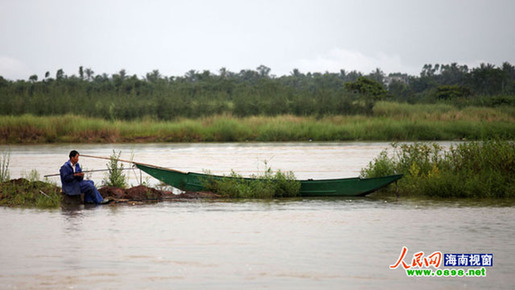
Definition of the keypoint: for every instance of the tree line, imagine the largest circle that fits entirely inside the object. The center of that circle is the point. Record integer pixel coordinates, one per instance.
(251, 92)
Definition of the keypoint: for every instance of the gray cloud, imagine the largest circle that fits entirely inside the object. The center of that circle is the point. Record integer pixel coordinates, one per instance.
(311, 35)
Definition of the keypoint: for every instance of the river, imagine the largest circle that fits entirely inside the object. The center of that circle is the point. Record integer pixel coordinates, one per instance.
(304, 243)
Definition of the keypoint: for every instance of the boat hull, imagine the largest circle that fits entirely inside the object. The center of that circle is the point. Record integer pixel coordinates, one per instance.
(189, 181)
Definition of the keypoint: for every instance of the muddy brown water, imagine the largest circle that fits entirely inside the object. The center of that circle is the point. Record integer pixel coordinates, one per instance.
(310, 243)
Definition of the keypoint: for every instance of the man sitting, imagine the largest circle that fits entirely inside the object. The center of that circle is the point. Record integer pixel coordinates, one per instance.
(73, 181)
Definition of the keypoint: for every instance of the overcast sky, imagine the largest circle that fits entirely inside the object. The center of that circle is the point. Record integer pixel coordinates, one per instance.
(312, 36)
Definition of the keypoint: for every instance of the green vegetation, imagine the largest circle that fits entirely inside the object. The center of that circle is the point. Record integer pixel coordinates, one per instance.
(267, 185)
(29, 193)
(388, 121)
(446, 102)
(4, 166)
(370, 91)
(252, 92)
(115, 176)
(483, 169)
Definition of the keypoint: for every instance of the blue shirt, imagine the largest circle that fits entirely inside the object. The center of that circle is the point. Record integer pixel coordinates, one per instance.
(70, 182)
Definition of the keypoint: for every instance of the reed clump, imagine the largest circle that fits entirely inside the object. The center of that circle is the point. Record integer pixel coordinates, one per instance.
(5, 159)
(270, 184)
(481, 169)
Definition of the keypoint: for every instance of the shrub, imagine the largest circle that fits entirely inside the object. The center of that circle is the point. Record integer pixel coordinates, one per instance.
(474, 169)
(115, 176)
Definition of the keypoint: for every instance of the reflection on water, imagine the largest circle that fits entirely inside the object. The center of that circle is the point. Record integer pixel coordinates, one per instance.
(292, 243)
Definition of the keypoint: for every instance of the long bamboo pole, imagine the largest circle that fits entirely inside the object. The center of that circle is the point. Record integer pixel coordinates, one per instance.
(121, 160)
(133, 162)
(107, 158)
(86, 171)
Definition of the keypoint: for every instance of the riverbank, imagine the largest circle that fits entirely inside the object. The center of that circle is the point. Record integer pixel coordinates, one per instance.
(38, 194)
(389, 122)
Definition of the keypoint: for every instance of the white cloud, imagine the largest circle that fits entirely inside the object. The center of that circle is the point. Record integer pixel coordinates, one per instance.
(337, 59)
(13, 69)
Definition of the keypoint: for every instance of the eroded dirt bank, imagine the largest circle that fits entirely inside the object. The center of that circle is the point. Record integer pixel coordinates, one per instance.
(25, 193)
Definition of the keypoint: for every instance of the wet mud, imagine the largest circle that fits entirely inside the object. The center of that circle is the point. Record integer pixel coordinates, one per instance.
(143, 193)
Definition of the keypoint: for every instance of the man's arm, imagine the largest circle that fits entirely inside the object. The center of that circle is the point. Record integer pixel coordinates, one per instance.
(66, 174)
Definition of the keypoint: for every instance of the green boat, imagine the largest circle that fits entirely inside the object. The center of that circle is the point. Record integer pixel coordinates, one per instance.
(189, 181)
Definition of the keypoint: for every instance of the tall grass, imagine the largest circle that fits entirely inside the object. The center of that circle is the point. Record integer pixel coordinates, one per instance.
(5, 158)
(483, 169)
(390, 122)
